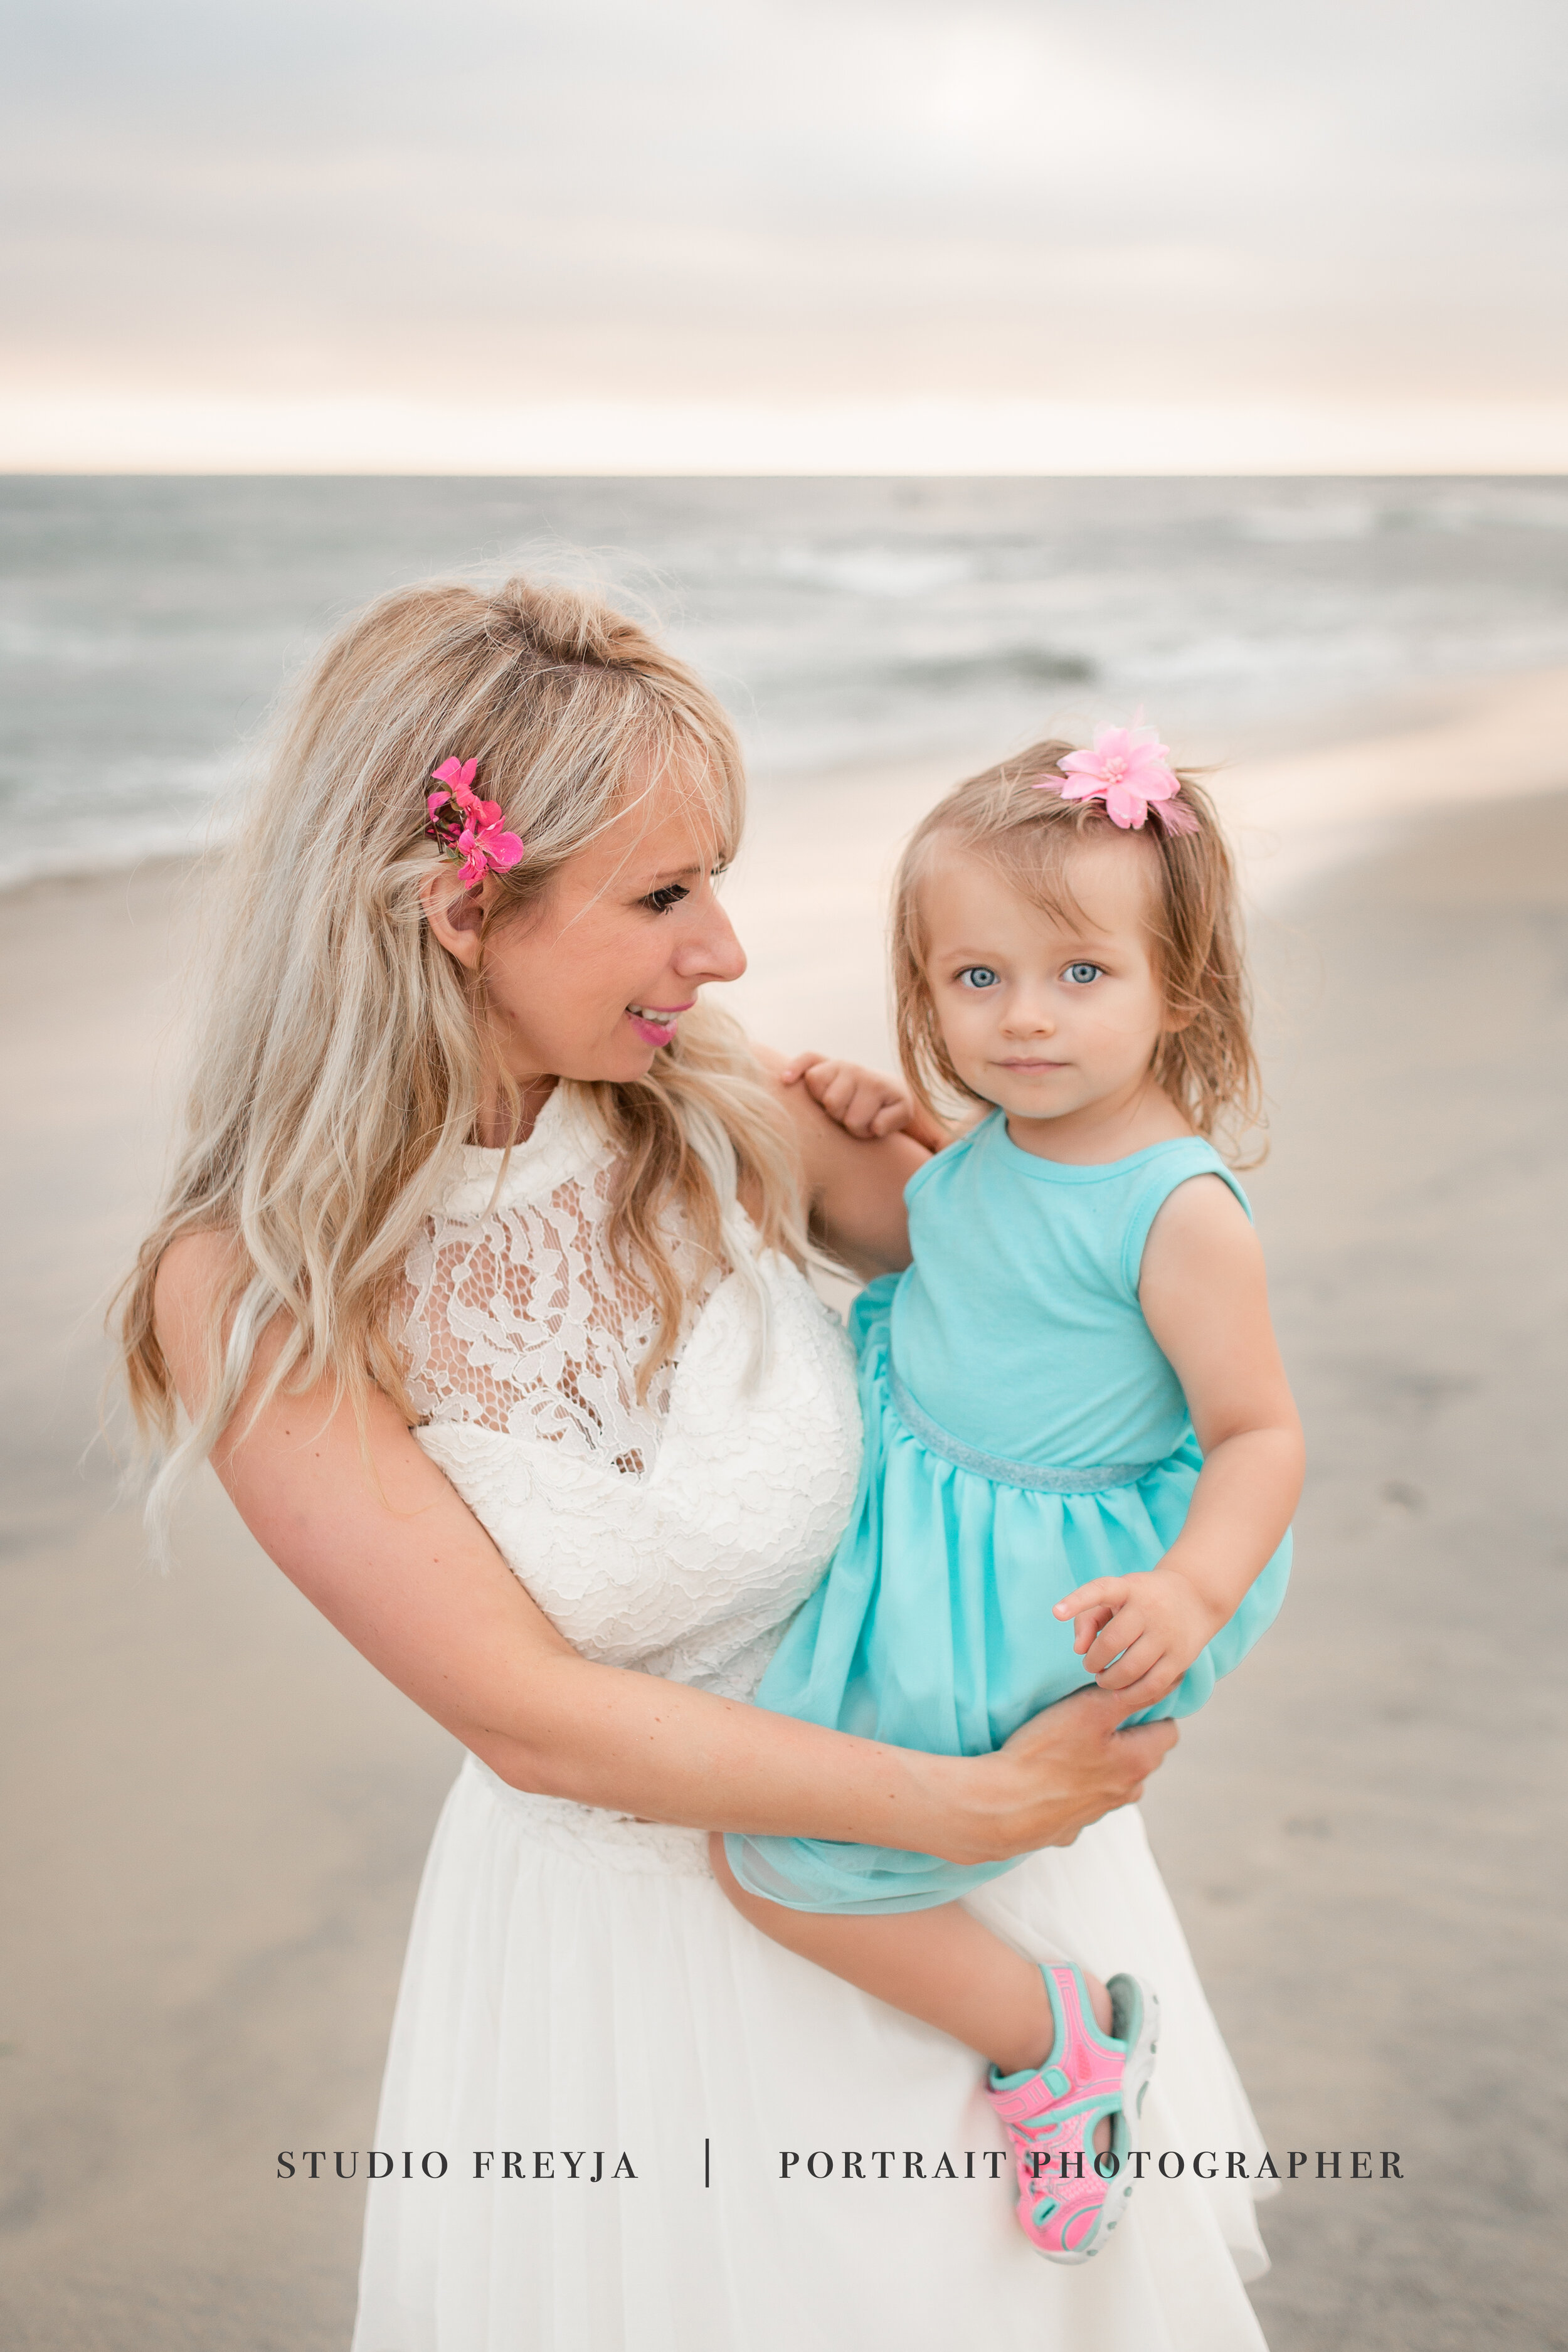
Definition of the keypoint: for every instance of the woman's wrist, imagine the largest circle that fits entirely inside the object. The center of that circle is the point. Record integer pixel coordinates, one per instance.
(991, 1808)
(627, 1742)
(944, 1806)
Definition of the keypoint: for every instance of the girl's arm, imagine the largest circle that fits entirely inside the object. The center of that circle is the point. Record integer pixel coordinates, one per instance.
(854, 1184)
(1204, 1297)
(382, 1544)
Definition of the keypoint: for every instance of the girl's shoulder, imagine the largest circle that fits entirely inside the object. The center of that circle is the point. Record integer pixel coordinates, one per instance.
(1102, 1211)
(986, 1154)
(1164, 1168)
(944, 1165)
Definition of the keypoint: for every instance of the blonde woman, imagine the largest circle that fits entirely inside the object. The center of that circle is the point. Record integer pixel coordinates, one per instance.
(479, 1282)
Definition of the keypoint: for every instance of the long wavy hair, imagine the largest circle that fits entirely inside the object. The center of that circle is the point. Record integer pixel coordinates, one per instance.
(340, 1051)
(1207, 1066)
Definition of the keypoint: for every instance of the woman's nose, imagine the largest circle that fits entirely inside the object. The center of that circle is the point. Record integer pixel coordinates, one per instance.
(713, 951)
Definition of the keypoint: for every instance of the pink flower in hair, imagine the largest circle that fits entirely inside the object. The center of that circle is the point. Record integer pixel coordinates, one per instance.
(1129, 768)
(483, 843)
(479, 840)
(459, 774)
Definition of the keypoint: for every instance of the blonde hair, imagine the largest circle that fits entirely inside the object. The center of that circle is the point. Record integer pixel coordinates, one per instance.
(339, 1062)
(1207, 1066)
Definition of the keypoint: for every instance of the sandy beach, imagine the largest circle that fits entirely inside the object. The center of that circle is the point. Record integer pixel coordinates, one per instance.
(217, 1814)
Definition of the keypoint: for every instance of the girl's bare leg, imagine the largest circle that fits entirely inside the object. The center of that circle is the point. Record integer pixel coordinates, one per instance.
(941, 1965)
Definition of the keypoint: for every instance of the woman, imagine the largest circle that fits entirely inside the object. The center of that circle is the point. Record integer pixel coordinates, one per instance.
(480, 1282)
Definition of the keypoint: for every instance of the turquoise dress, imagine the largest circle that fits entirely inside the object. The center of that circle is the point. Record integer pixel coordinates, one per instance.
(1024, 1432)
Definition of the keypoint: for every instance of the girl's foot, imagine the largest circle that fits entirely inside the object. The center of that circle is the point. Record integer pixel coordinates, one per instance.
(1065, 2208)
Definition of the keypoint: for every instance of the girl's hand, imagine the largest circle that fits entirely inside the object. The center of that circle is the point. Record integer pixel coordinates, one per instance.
(862, 1102)
(1139, 1634)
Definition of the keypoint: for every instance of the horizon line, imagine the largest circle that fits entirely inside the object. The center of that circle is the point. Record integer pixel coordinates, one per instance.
(100, 433)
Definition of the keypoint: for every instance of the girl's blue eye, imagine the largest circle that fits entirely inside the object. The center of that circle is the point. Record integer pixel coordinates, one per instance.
(671, 895)
(1081, 975)
(978, 975)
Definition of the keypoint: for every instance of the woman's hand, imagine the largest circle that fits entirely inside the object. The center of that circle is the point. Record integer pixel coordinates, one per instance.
(1061, 1770)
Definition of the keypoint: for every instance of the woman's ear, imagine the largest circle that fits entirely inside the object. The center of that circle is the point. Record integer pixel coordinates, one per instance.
(456, 916)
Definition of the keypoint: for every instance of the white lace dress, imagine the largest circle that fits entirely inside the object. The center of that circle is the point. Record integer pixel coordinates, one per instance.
(614, 2068)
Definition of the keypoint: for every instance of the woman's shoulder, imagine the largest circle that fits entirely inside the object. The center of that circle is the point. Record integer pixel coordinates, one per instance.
(854, 1187)
(192, 1269)
(194, 1272)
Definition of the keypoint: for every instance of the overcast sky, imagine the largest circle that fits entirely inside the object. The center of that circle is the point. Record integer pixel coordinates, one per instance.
(776, 201)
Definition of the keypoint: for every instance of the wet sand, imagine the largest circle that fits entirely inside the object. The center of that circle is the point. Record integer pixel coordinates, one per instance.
(1364, 1833)
(217, 1814)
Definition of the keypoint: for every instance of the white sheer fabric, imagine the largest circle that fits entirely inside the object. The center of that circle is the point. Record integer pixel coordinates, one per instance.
(518, 1319)
(675, 1534)
(575, 1981)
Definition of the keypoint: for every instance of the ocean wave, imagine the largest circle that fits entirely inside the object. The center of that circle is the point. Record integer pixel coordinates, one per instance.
(145, 623)
(891, 571)
(1010, 666)
(61, 816)
(1287, 526)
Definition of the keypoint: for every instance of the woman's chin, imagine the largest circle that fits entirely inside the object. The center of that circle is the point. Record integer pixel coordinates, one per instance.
(624, 1059)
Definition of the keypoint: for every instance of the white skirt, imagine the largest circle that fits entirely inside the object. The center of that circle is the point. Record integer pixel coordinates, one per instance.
(661, 2132)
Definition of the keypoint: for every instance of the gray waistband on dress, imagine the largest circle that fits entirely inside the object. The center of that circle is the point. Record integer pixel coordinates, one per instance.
(1034, 1476)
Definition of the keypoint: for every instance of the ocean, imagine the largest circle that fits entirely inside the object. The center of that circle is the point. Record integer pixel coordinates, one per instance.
(147, 623)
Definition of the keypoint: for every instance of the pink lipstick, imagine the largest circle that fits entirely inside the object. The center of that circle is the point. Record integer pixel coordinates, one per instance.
(655, 1023)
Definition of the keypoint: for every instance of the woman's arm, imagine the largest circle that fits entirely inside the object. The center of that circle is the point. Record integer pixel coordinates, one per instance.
(383, 1545)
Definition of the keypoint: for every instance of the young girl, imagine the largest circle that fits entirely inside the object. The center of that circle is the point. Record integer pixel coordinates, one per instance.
(1081, 1454)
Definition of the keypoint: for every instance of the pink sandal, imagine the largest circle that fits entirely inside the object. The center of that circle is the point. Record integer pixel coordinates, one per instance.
(1065, 2208)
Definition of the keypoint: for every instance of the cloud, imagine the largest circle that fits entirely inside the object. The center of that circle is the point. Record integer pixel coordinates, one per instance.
(780, 200)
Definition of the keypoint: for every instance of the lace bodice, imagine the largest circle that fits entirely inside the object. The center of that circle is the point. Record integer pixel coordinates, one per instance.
(674, 1533)
(520, 1321)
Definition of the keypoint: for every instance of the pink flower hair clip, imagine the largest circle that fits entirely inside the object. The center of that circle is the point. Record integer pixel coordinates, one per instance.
(468, 829)
(1129, 768)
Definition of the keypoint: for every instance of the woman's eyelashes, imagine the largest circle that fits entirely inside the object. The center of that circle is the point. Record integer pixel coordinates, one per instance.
(671, 894)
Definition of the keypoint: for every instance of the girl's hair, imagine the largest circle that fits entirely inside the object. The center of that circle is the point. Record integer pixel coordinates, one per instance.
(1207, 1067)
(340, 1054)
